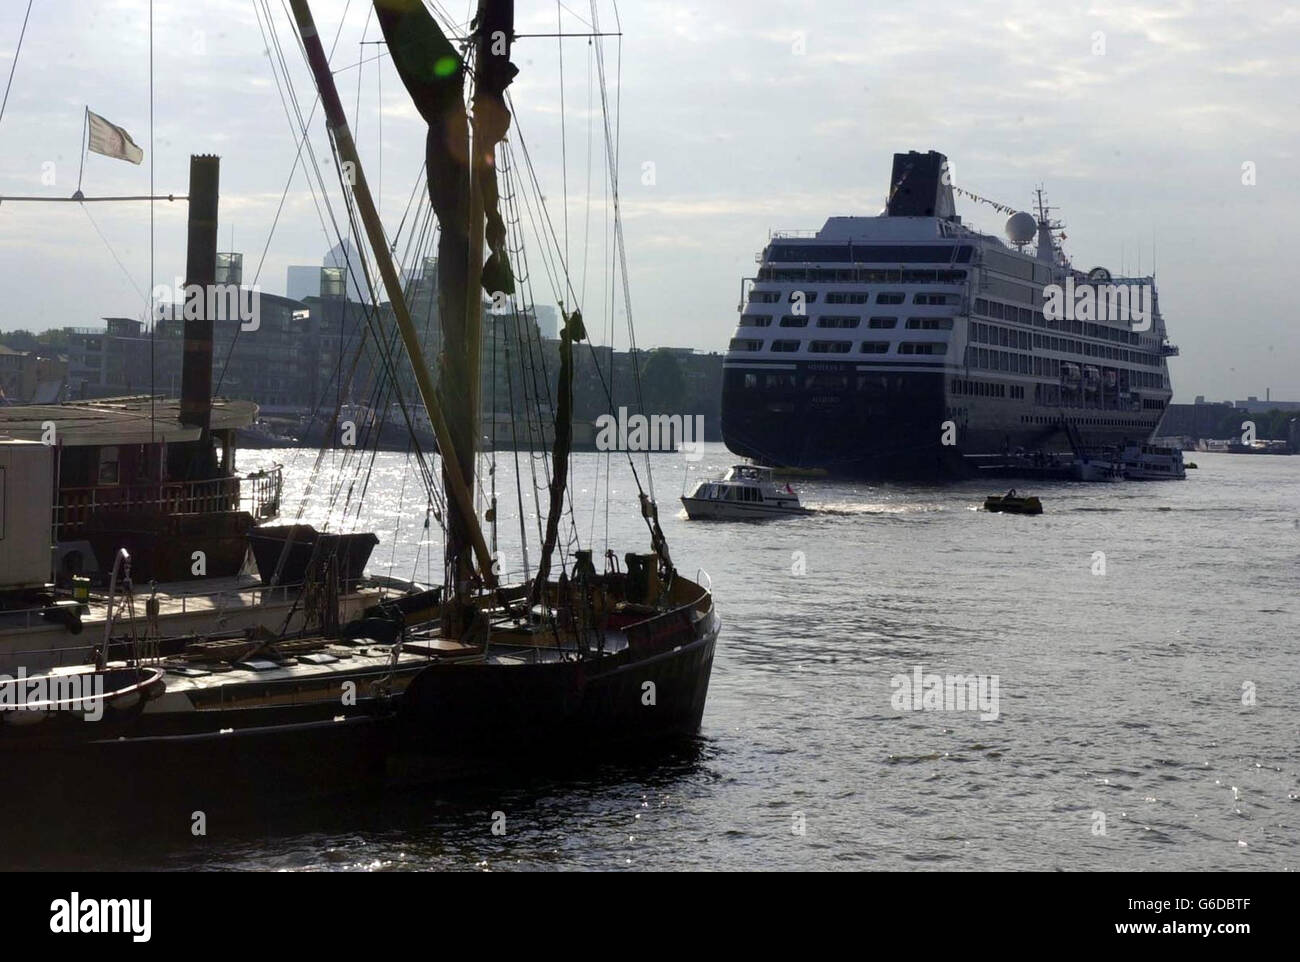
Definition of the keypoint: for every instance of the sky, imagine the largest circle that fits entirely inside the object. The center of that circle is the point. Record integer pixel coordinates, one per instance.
(1165, 134)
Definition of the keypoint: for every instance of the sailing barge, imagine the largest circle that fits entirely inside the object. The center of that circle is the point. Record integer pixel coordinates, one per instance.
(436, 685)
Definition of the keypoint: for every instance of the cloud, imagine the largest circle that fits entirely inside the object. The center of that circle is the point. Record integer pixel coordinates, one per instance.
(1144, 139)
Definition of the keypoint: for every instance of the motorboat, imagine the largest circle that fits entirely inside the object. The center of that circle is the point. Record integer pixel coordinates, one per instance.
(746, 491)
(1012, 503)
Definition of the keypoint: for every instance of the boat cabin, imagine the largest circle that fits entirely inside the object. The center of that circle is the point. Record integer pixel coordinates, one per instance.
(128, 474)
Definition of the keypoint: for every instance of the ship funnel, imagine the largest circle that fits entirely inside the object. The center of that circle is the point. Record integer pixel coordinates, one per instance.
(921, 186)
(200, 276)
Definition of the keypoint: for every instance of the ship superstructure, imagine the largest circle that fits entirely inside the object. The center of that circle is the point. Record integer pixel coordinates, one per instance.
(907, 344)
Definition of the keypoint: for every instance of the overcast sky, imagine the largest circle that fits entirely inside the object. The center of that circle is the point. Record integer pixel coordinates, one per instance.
(757, 115)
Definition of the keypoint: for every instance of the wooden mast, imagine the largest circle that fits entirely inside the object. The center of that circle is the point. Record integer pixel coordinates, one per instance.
(461, 505)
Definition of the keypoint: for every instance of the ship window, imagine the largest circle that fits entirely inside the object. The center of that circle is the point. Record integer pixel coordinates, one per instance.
(934, 298)
(889, 297)
(923, 347)
(873, 254)
(755, 320)
(108, 466)
(791, 320)
(840, 322)
(929, 323)
(829, 347)
(875, 347)
(764, 297)
(787, 347)
(745, 344)
(882, 323)
(850, 297)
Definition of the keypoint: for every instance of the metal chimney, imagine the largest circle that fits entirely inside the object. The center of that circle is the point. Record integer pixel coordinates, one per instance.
(200, 276)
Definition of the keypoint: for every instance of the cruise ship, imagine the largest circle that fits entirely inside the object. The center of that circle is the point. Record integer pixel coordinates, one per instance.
(908, 345)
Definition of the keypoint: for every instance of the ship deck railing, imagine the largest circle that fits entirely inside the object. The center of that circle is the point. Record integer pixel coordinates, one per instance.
(259, 494)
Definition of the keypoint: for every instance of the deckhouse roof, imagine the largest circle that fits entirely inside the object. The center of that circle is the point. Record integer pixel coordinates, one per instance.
(118, 420)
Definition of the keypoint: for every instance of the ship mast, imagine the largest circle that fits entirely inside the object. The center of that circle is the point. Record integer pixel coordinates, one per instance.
(455, 457)
(1047, 248)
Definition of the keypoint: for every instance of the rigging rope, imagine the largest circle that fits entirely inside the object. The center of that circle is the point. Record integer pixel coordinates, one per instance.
(14, 66)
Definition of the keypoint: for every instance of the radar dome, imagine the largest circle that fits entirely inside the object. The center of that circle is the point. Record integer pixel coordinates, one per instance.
(1021, 227)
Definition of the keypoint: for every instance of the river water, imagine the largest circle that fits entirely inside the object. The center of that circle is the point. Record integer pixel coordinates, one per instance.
(1143, 638)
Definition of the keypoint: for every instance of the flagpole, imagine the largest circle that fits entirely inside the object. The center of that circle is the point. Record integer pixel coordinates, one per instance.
(85, 126)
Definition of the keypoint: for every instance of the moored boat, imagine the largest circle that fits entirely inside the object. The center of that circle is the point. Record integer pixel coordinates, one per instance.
(1153, 462)
(472, 671)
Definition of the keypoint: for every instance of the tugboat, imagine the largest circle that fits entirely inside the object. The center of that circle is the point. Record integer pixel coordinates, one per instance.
(745, 492)
(1011, 503)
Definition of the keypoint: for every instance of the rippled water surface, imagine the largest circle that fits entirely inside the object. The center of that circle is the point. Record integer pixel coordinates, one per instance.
(1161, 694)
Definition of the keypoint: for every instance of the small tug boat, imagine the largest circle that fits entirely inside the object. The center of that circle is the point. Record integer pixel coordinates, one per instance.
(1011, 503)
(745, 491)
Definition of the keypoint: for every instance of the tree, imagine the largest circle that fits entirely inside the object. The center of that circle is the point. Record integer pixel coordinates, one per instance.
(663, 386)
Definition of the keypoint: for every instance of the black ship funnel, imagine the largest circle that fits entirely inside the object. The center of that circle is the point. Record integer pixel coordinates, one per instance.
(921, 186)
(200, 276)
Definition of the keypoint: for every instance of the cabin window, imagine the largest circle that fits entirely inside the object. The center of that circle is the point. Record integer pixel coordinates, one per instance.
(108, 466)
(889, 298)
(838, 321)
(787, 347)
(913, 347)
(882, 323)
(829, 347)
(929, 323)
(791, 320)
(875, 347)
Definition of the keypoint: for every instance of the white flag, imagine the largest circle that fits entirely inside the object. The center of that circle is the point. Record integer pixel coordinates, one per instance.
(111, 140)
